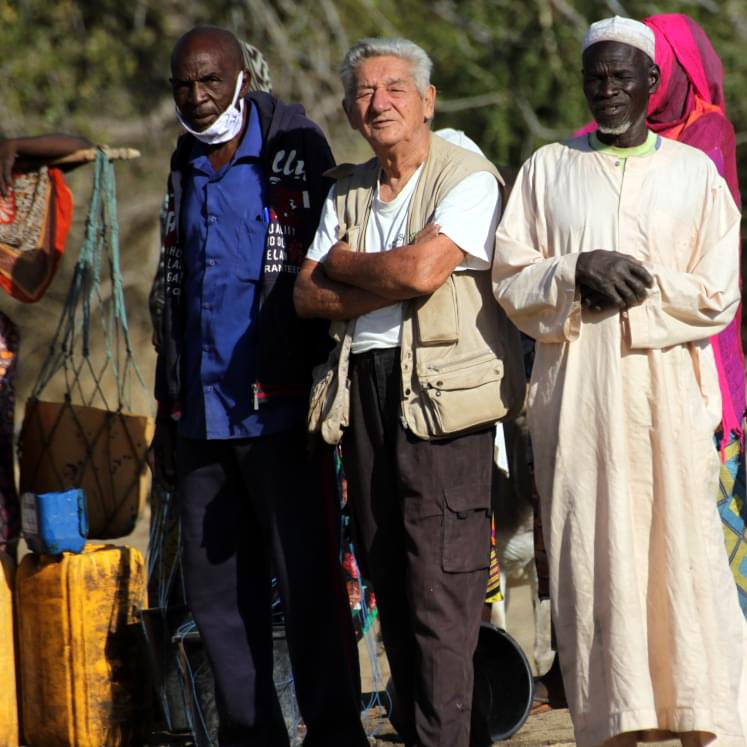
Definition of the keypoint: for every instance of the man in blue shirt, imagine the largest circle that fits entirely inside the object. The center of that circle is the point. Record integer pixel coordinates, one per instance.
(232, 382)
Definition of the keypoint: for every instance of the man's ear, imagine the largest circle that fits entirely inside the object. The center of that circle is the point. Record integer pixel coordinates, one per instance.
(246, 84)
(654, 78)
(429, 102)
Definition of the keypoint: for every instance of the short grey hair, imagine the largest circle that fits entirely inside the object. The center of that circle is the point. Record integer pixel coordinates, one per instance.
(420, 63)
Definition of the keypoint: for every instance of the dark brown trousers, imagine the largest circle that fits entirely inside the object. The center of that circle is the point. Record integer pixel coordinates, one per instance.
(421, 519)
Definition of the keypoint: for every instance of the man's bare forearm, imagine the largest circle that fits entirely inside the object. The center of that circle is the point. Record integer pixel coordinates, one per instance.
(398, 274)
(49, 146)
(317, 296)
(16, 149)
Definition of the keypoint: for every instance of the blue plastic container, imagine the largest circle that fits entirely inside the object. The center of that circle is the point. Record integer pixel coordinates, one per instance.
(54, 523)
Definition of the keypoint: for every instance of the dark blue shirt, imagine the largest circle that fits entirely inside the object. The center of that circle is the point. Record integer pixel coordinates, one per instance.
(223, 226)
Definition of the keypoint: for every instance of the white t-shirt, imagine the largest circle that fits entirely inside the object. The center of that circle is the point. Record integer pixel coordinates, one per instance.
(468, 215)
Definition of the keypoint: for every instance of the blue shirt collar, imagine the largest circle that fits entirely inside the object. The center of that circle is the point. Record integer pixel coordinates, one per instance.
(250, 146)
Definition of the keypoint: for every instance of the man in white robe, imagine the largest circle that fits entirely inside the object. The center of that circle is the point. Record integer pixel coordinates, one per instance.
(618, 253)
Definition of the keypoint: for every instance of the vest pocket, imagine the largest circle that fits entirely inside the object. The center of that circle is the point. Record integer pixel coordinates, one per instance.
(321, 396)
(329, 401)
(463, 395)
(466, 530)
(438, 316)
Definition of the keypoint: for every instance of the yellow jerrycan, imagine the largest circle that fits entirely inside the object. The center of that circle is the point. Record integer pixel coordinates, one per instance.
(82, 682)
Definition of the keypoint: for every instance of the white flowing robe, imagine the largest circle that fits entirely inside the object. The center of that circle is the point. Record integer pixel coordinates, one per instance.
(622, 411)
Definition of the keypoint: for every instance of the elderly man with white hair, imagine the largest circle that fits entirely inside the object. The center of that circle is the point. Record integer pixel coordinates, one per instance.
(401, 261)
(618, 252)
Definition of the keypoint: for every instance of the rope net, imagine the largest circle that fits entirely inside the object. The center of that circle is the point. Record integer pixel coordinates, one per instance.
(90, 439)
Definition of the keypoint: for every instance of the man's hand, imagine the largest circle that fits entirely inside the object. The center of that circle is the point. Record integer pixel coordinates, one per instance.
(8, 153)
(162, 452)
(594, 300)
(428, 232)
(610, 279)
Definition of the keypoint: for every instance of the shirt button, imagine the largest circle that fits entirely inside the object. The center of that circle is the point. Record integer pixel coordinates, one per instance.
(207, 307)
(212, 219)
(209, 388)
(617, 163)
(211, 262)
(206, 347)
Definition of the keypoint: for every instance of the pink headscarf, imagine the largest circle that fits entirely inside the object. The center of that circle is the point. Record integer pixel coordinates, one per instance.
(688, 63)
(689, 104)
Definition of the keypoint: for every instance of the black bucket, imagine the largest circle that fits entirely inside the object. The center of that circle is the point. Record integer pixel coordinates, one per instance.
(504, 687)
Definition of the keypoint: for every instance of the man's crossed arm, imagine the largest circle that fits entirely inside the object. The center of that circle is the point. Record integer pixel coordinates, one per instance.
(347, 284)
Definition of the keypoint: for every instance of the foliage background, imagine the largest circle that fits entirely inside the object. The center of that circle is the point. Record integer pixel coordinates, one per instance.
(508, 73)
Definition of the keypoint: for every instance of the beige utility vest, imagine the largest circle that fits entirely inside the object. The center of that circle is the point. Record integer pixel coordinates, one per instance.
(461, 362)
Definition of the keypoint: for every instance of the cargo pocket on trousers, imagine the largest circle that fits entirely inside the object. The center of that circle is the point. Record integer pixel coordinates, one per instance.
(466, 530)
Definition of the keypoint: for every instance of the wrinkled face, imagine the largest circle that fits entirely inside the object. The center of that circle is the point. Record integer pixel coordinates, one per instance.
(386, 106)
(203, 80)
(618, 80)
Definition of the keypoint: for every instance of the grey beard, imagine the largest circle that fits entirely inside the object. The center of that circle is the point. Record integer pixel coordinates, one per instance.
(619, 130)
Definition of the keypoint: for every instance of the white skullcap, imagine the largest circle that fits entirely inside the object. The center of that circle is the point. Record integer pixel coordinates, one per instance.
(623, 30)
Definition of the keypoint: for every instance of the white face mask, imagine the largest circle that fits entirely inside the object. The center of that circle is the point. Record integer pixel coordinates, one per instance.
(226, 126)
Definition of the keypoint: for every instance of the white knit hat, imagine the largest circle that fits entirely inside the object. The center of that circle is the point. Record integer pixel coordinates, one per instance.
(623, 30)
